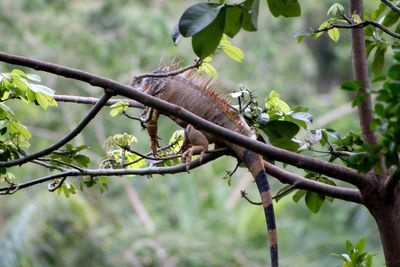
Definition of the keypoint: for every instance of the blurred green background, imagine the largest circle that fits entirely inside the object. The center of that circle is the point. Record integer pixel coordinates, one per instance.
(191, 219)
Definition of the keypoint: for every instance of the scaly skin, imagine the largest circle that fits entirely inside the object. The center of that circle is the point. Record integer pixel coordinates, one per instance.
(198, 97)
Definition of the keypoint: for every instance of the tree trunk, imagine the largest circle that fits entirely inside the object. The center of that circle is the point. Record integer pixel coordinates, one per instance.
(387, 216)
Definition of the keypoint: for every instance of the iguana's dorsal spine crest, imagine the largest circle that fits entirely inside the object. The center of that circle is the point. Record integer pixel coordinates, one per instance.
(206, 87)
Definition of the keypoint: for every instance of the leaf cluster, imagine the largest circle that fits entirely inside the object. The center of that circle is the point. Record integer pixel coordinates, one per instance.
(355, 255)
(207, 22)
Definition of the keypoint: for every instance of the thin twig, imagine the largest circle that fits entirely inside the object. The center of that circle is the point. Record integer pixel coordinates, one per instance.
(131, 117)
(196, 64)
(53, 186)
(244, 195)
(112, 172)
(62, 163)
(94, 100)
(392, 6)
(49, 166)
(359, 26)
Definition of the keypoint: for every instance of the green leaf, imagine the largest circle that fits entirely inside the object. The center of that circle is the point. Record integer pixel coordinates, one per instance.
(335, 9)
(356, 18)
(232, 51)
(334, 34)
(280, 134)
(282, 129)
(303, 116)
(17, 128)
(394, 72)
(250, 15)
(5, 108)
(314, 201)
(360, 245)
(358, 99)
(120, 140)
(352, 85)
(82, 160)
(233, 20)
(42, 101)
(207, 67)
(349, 247)
(205, 42)
(390, 19)
(21, 83)
(300, 36)
(38, 88)
(300, 118)
(19, 73)
(275, 103)
(198, 17)
(34, 78)
(176, 139)
(176, 35)
(379, 110)
(323, 25)
(118, 108)
(299, 194)
(286, 8)
(379, 11)
(379, 59)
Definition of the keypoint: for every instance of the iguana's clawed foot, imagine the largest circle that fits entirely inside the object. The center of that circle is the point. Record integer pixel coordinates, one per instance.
(187, 155)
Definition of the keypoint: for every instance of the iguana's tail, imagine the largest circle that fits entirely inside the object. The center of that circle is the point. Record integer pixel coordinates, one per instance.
(253, 161)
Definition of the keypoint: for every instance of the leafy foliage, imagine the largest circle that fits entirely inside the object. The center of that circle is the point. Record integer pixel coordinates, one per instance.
(70, 155)
(387, 111)
(118, 108)
(355, 255)
(207, 22)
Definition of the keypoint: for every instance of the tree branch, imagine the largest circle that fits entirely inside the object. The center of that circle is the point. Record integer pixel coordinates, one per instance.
(113, 172)
(82, 124)
(390, 184)
(392, 6)
(360, 26)
(196, 64)
(360, 72)
(299, 182)
(304, 162)
(94, 100)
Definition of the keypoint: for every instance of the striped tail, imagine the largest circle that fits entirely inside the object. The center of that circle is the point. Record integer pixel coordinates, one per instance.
(253, 161)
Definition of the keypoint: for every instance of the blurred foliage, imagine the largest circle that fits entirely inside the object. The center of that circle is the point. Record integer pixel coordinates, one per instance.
(199, 219)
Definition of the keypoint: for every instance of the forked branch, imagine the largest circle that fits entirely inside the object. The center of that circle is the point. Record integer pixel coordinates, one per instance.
(301, 161)
(112, 172)
(81, 125)
(299, 182)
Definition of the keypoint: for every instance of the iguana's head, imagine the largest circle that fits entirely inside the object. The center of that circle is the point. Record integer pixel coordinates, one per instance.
(148, 85)
(153, 84)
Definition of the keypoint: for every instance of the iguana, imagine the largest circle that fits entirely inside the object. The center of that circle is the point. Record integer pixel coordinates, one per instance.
(188, 91)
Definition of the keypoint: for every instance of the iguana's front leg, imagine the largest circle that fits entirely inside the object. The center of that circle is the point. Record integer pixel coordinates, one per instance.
(151, 127)
(196, 142)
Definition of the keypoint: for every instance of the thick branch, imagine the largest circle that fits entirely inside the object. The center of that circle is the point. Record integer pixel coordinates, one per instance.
(109, 172)
(360, 72)
(82, 124)
(391, 5)
(390, 184)
(299, 182)
(327, 168)
(94, 100)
